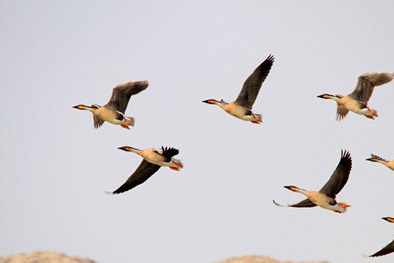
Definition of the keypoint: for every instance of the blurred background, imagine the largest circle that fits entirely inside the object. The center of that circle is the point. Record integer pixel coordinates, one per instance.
(55, 167)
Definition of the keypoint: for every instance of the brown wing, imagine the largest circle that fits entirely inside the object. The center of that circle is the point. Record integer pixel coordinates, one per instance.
(253, 83)
(384, 251)
(366, 84)
(140, 175)
(340, 176)
(121, 94)
(341, 112)
(304, 203)
(97, 122)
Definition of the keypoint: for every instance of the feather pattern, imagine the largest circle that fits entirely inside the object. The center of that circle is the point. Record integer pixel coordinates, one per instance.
(168, 153)
(144, 171)
(340, 176)
(366, 84)
(341, 112)
(252, 84)
(97, 122)
(121, 94)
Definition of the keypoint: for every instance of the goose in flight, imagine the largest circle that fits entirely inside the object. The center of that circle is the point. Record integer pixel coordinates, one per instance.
(113, 111)
(241, 108)
(325, 197)
(390, 247)
(152, 160)
(357, 101)
(375, 158)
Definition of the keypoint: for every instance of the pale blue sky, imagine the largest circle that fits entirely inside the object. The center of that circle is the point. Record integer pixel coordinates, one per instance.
(55, 167)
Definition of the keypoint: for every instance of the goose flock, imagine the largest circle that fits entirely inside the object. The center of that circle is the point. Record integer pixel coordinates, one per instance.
(357, 102)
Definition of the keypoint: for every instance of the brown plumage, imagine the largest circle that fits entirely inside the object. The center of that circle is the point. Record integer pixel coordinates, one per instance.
(326, 196)
(241, 108)
(357, 101)
(114, 110)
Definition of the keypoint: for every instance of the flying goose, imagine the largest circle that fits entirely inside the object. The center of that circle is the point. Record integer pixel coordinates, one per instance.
(113, 111)
(357, 101)
(241, 108)
(325, 197)
(152, 161)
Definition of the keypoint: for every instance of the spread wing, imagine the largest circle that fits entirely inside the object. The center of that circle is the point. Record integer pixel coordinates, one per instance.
(168, 153)
(384, 251)
(366, 84)
(253, 83)
(340, 176)
(121, 94)
(341, 112)
(304, 203)
(140, 175)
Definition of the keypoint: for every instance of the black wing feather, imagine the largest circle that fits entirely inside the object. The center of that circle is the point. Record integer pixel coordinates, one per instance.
(140, 175)
(304, 203)
(168, 153)
(384, 251)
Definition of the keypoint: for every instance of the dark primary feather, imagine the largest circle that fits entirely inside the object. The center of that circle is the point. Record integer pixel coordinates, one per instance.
(168, 153)
(304, 203)
(340, 176)
(140, 175)
(121, 94)
(384, 251)
(253, 83)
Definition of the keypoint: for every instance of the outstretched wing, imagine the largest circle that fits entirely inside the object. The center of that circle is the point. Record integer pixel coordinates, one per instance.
(168, 153)
(253, 83)
(340, 176)
(303, 203)
(366, 84)
(140, 175)
(121, 94)
(384, 251)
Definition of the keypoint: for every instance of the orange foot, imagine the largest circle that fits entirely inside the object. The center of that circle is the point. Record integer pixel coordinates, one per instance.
(369, 117)
(257, 118)
(372, 112)
(128, 122)
(178, 164)
(125, 126)
(256, 122)
(343, 205)
(174, 168)
(336, 211)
